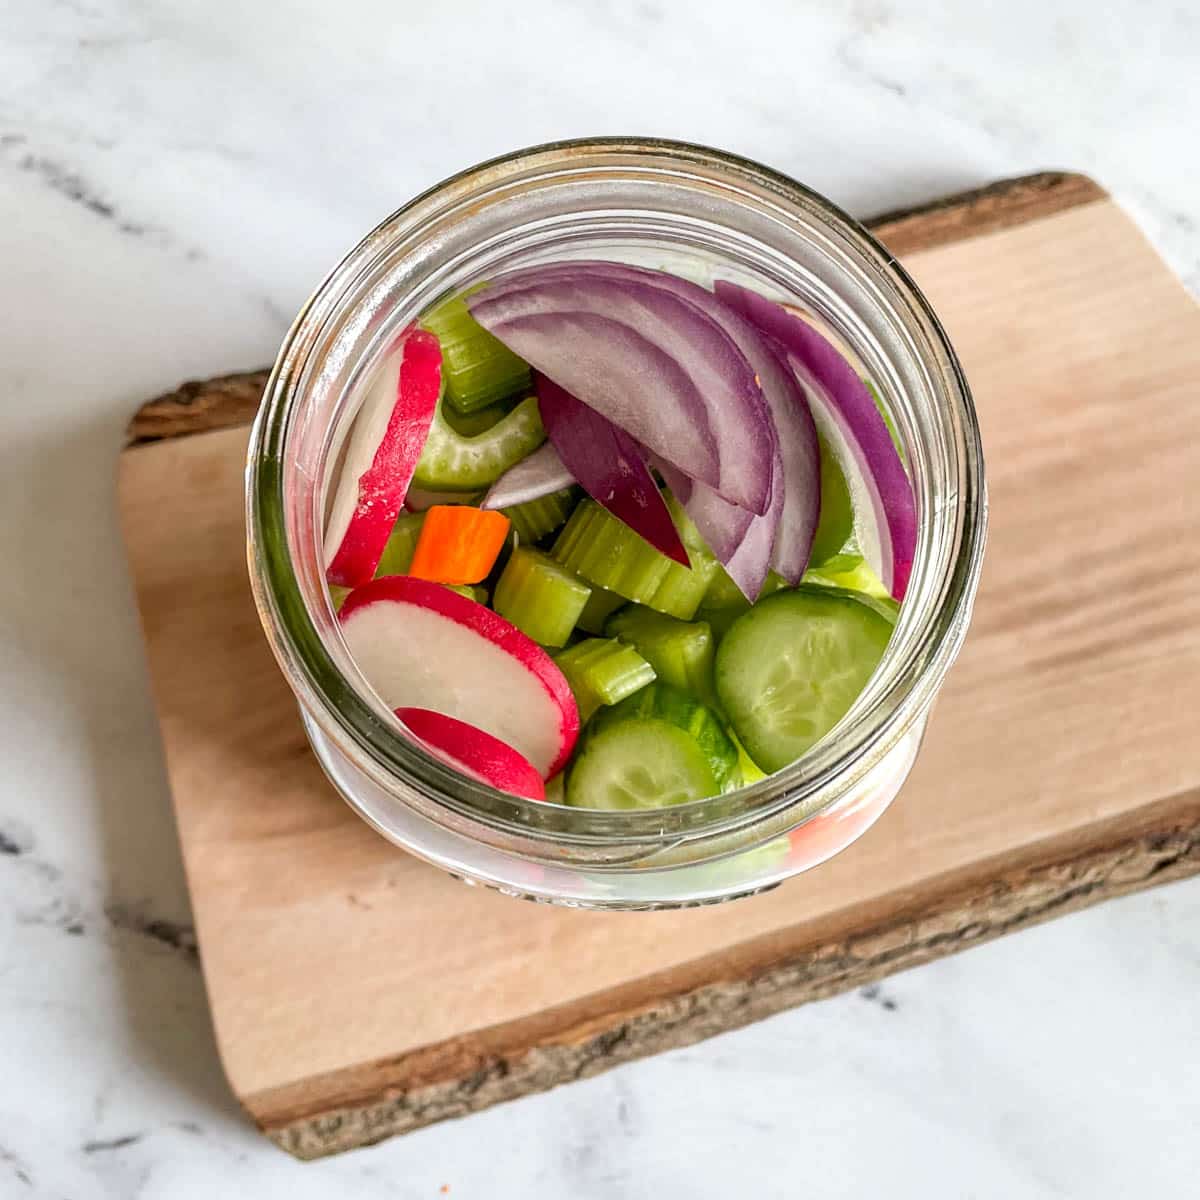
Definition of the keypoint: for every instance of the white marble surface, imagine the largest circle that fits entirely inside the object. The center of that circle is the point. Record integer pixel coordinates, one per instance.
(174, 178)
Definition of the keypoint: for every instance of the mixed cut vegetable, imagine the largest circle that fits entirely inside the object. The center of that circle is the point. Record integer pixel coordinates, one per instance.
(597, 524)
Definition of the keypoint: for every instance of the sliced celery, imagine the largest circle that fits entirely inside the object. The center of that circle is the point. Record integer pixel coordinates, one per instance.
(401, 543)
(472, 591)
(338, 594)
(452, 462)
(607, 553)
(478, 368)
(680, 652)
(539, 597)
(536, 518)
(834, 543)
(723, 603)
(602, 671)
(479, 421)
(600, 606)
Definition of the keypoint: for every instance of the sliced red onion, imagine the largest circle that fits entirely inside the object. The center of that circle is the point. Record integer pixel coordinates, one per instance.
(652, 362)
(538, 475)
(722, 525)
(784, 534)
(885, 513)
(609, 466)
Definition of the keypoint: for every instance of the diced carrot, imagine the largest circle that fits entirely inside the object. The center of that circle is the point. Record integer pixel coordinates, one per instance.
(458, 544)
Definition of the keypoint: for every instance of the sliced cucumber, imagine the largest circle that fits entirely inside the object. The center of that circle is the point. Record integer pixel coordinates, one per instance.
(661, 702)
(453, 462)
(789, 669)
(647, 763)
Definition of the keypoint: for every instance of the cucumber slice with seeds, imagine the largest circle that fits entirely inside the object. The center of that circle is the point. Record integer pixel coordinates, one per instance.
(633, 764)
(790, 669)
(453, 462)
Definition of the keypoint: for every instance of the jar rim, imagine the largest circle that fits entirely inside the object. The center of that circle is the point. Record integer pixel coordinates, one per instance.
(915, 662)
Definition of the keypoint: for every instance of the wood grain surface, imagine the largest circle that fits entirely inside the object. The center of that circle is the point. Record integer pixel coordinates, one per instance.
(358, 993)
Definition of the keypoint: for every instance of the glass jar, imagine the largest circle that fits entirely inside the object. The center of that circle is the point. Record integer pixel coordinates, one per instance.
(700, 213)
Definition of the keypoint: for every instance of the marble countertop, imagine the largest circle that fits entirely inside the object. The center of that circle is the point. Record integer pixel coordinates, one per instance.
(174, 178)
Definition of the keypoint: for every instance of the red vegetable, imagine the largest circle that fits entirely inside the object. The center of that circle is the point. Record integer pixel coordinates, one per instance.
(609, 467)
(475, 753)
(884, 507)
(384, 446)
(653, 363)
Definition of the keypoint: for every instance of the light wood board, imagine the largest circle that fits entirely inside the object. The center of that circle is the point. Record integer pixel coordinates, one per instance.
(358, 993)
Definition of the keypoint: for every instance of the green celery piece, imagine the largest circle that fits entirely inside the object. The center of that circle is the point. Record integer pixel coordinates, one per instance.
(480, 421)
(602, 671)
(534, 519)
(453, 462)
(539, 597)
(887, 417)
(472, 591)
(401, 545)
(600, 606)
(681, 652)
(863, 583)
(338, 595)
(834, 541)
(477, 367)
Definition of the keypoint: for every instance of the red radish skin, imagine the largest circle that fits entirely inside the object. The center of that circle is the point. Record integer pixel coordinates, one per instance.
(418, 644)
(384, 447)
(652, 362)
(474, 753)
(885, 511)
(609, 466)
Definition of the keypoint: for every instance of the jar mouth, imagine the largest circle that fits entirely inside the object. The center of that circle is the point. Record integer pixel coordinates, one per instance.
(406, 261)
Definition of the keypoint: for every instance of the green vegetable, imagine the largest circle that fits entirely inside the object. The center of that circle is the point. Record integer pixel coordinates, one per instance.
(680, 652)
(479, 421)
(453, 462)
(789, 669)
(472, 591)
(600, 606)
(536, 518)
(834, 545)
(723, 602)
(539, 597)
(661, 702)
(639, 764)
(602, 671)
(338, 594)
(607, 553)
(402, 541)
(478, 369)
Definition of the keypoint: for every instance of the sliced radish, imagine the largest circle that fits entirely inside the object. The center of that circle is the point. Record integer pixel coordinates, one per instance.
(475, 753)
(609, 466)
(652, 362)
(420, 644)
(541, 474)
(381, 455)
(885, 512)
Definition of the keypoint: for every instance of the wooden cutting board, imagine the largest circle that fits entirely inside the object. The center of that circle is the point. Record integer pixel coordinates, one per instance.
(359, 993)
